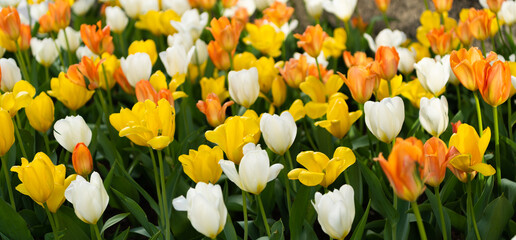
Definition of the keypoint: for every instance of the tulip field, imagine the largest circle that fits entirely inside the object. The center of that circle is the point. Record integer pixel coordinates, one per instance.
(235, 119)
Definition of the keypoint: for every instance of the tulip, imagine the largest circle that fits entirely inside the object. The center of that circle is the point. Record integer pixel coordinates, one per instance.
(413, 91)
(83, 51)
(200, 55)
(73, 37)
(215, 113)
(44, 182)
(57, 18)
(278, 13)
(10, 74)
(339, 119)
(205, 207)
(116, 19)
(295, 71)
(89, 199)
(314, 8)
(312, 40)
(433, 115)
(254, 170)
(86, 69)
(386, 37)
(435, 163)
(20, 97)
(70, 131)
(219, 56)
(386, 62)
(214, 85)
(157, 22)
(10, 22)
(297, 110)
(73, 96)
(279, 132)
(433, 75)
(203, 165)
(136, 67)
(357, 59)
(320, 169)
(176, 59)
(343, 9)
(440, 40)
(319, 93)
(446, 62)
(403, 168)
(479, 24)
(81, 7)
(336, 211)
(148, 46)
(495, 5)
(494, 82)
(180, 39)
(7, 129)
(507, 12)
(407, 60)
(462, 62)
(382, 5)
(361, 83)
(390, 88)
(225, 33)
(82, 160)
(265, 39)
(44, 51)
(442, 6)
(244, 87)
(40, 112)
(267, 73)
(234, 134)
(463, 34)
(191, 22)
(97, 40)
(279, 91)
(333, 46)
(385, 118)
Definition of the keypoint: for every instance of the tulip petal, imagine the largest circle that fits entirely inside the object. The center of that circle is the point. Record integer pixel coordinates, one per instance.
(484, 169)
(274, 170)
(228, 167)
(180, 203)
(310, 178)
(461, 162)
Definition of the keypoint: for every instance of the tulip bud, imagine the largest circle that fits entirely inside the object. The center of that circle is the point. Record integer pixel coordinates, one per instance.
(279, 91)
(386, 62)
(176, 59)
(407, 60)
(136, 67)
(314, 8)
(434, 170)
(254, 170)
(433, 115)
(507, 12)
(279, 132)
(89, 199)
(116, 19)
(40, 112)
(382, 5)
(442, 6)
(343, 9)
(335, 211)
(433, 75)
(200, 54)
(495, 5)
(81, 7)
(73, 37)
(205, 207)
(7, 132)
(70, 131)
(385, 118)
(10, 74)
(215, 114)
(44, 51)
(10, 22)
(244, 87)
(82, 160)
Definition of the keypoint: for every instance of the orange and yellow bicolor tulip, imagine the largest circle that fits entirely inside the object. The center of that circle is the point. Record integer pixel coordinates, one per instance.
(357, 59)
(361, 82)
(480, 23)
(386, 62)
(430, 20)
(219, 56)
(226, 33)
(382, 5)
(440, 40)
(443, 5)
(97, 40)
(10, 23)
(463, 33)
(57, 18)
(278, 13)
(338, 118)
(295, 71)
(462, 63)
(72, 95)
(312, 40)
(120, 78)
(494, 81)
(435, 162)
(211, 107)
(203, 165)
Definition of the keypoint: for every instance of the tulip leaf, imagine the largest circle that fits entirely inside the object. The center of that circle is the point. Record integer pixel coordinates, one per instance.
(496, 216)
(229, 229)
(377, 194)
(457, 220)
(123, 235)
(277, 231)
(13, 225)
(142, 191)
(359, 230)
(113, 220)
(509, 189)
(435, 208)
(298, 211)
(155, 236)
(509, 142)
(137, 212)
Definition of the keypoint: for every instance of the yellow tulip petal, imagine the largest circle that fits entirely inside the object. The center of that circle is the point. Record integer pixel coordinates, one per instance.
(461, 162)
(310, 178)
(484, 169)
(160, 142)
(315, 110)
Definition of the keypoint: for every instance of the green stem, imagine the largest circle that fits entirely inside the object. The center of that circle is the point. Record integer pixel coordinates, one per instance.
(395, 205)
(291, 165)
(260, 204)
(47, 76)
(426, 4)
(420, 226)
(244, 208)
(23, 67)
(479, 113)
(69, 52)
(122, 44)
(58, 51)
(389, 87)
(441, 213)
(51, 220)
(164, 194)
(386, 20)
(47, 145)
(483, 47)
(287, 188)
(509, 113)
(497, 148)
(108, 90)
(441, 15)
(457, 89)
(8, 182)
(318, 69)
(97, 233)
(158, 188)
(471, 209)
(18, 137)
(346, 26)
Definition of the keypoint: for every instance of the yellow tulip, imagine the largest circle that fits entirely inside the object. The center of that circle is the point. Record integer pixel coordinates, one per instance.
(158, 23)
(43, 181)
(279, 91)
(430, 20)
(383, 88)
(159, 82)
(235, 133)
(40, 112)
(243, 60)
(214, 85)
(146, 124)
(320, 169)
(20, 97)
(267, 72)
(265, 39)
(7, 132)
(144, 46)
(107, 69)
(203, 165)
(421, 50)
(333, 46)
(414, 91)
(297, 110)
(338, 118)
(73, 96)
(319, 92)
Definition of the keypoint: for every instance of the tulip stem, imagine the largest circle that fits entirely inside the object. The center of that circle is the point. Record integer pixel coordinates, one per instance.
(22, 62)
(47, 76)
(470, 207)
(318, 69)
(108, 89)
(122, 45)
(58, 51)
(483, 47)
(287, 188)
(265, 223)
(441, 213)
(419, 221)
(509, 113)
(69, 52)
(18, 137)
(390, 88)
(479, 114)
(96, 230)
(289, 159)
(51, 220)
(47, 145)
(386, 20)
(244, 208)
(426, 4)
(457, 89)
(8, 182)
(164, 194)
(158, 188)
(497, 149)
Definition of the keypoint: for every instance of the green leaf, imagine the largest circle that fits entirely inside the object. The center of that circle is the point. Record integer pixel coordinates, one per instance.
(123, 235)
(113, 220)
(359, 230)
(496, 216)
(457, 220)
(13, 225)
(435, 208)
(229, 229)
(277, 231)
(377, 194)
(155, 236)
(137, 212)
(297, 213)
(73, 227)
(509, 189)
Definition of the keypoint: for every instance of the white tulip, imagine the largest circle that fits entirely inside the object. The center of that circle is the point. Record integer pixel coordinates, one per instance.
(180, 38)
(279, 132)
(433, 75)
(336, 211)
(116, 19)
(74, 39)
(70, 131)
(386, 37)
(249, 5)
(148, 5)
(200, 55)
(263, 4)
(343, 9)
(205, 207)
(407, 60)
(483, 3)
(288, 27)
(10, 74)
(244, 87)
(44, 51)
(433, 115)
(179, 6)
(81, 7)
(85, 51)
(385, 118)
(136, 67)
(446, 62)
(508, 12)
(36, 11)
(131, 7)
(176, 59)
(254, 171)
(89, 199)
(191, 23)
(314, 8)
(9, 3)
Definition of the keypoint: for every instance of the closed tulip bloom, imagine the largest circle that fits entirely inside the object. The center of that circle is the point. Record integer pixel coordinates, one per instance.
(479, 23)
(58, 17)
(508, 12)
(205, 207)
(407, 60)
(320, 170)
(44, 51)
(463, 34)
(225, 33)
(432, 74)
(339, 119)
(336, 211)
(116, 19)
(295, 71)
(219, 56)
(215, 113)
(81, 7)
(203, 165)
(386, 37)
(279, 132)
(244, 87)
(89, 199)
(200, 54)
(436, 161)
(7, 129)
(382, 5)
(82, 160)
(136, 67)
(176, 59)
(10, 74)
(312, 40)
(343, 9)
(385, 118)
(40, 112)
(279, 91)
(314, 8)
(361, 83)
(386, 62)
(73, 37)
(433, 115)
(461, 63)
(10, 22)
(494, 82)
(70, 131)
(442, 6)
(440, 40)
(495, 5)
(254, 170)
(73, 96)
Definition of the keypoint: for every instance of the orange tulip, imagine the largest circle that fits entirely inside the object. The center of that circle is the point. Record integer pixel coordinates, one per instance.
(98, 41)
(461, 62)
(479, 24)
(386, 62)
(295, 71)
(10, 22)
(382, 5)
(455, 126)
(229, 3)
(361, 83)
(82, 160)
(357, 59)
(219, 56)
(312, 40)
(495, 5)
(145, 91)
(325, 73)
(463, 34)
(403, 168)
(241, 17)
(57, 17)
(440, 41)
(225, 33)
(359, 23)
(25, 36)
(86, 68)
(278, 13)
(205, 4)
(215, 113)
(442, 5)
(120, 78)
(494, 82)
(435, 164)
